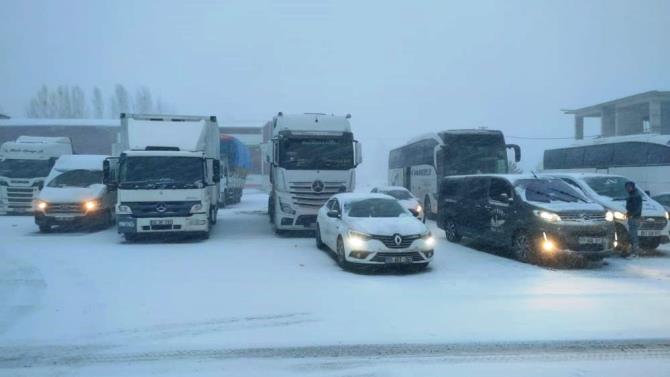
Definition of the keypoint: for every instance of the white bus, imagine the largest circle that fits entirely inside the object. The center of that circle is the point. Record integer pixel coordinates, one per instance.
(418, 164)
(644, 158)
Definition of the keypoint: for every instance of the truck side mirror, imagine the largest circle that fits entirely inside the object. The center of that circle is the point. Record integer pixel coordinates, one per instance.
(358, 151)
(517, 151)
(52, 162)
(109, 172)
(216, 171)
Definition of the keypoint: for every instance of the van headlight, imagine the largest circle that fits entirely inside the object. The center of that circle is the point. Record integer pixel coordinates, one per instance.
(42, 205)
(609, 216)
(619, 215)
(418, 208)
(91, 205)
(549, 217)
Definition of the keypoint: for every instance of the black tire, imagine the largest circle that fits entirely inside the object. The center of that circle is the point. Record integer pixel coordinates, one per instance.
(650, 244)
(522, 247)
(317, 236)
(212, 216)
(131, 237)
(451, 231)
(45, 228)
(271, 212)
(339, 254)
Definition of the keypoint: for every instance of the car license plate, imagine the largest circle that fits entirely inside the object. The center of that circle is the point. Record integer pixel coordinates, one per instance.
(649, 233)
(591, 240)
(64, 218)
(161, 222)
(398, 259)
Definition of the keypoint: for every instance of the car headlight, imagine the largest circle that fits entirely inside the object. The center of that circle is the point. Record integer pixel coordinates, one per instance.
(286, 208)
(429, 239)
(609, 216)
(667, 216)
(619, 215)
(91, 205)
(549, 217)
(42, 205)
(196, 208)
(357, 240)
(419, 208)
(124, 210)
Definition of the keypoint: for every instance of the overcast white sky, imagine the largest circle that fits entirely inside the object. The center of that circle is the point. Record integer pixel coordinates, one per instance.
(400, 68)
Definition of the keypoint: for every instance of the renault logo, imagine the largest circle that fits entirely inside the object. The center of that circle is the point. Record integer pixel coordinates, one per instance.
(397, 239)
(161, 207)
(317, 186)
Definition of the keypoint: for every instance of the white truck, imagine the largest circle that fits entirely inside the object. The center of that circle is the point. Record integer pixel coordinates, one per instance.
(312, 156)
(167, 174)
(24, 164)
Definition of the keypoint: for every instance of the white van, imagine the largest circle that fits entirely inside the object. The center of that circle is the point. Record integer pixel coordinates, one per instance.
(74, 195)
(610, 191)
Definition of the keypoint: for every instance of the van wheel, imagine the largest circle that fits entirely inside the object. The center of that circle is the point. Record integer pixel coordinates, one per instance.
(45, 228)
(427, 208)
(451, 231)
(319, 243)
(522, 247)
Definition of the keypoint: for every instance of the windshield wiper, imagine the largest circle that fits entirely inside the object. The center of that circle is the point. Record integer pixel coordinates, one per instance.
(569, 195)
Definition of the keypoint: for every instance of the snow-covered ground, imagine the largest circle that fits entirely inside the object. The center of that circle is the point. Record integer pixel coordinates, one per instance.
(247, 302)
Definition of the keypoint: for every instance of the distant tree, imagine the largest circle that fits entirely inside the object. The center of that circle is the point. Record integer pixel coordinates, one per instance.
(97, 103)
(162, 107)
(514, 168)
(120, 102)
(38, 106)
(63, 102)
(78, 108)
(143, 101)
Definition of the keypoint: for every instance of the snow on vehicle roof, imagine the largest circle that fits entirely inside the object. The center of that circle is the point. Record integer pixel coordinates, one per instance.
(164, 153)
(580, 175)
(642, 138)
(350, 196)
(391, 188)
(12, 122)
(80, 161)
(44, 139)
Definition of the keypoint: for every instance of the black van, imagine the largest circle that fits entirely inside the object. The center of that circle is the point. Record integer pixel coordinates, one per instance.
(538, 218)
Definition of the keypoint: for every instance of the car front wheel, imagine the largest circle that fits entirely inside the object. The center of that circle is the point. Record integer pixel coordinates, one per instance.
(340, 254)
(319, 242)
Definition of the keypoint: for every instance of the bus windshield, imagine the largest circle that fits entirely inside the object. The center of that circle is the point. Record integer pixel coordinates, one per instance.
(475, 154)
(317, 153)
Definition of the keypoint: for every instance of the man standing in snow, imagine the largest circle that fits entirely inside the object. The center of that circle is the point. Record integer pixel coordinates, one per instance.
(633, 213)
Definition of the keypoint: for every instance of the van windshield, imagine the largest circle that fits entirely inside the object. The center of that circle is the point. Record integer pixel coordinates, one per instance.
(548, 190)
(77, 178)
(611, 187)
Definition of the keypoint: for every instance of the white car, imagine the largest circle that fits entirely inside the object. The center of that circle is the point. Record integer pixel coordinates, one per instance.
(405, 197)
(610, 192)
(373, 230)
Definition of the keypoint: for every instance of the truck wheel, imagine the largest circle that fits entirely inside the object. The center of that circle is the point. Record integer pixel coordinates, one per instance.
(319, 243)
(131, 237)
(427, 208)
(212, 215)
(45, 228)
(451, 231)
(522, 247)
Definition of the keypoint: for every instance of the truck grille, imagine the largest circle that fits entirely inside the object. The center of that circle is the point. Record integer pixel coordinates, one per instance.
(389, 241)
(653, 223)
(21, 198)
(64, 208)
(161, 209)
(314, 194)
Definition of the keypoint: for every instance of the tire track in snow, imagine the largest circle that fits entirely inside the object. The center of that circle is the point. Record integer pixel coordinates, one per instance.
(21, 288)
(343, 356)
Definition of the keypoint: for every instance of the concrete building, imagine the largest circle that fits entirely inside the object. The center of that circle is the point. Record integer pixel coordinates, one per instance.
(647, 112)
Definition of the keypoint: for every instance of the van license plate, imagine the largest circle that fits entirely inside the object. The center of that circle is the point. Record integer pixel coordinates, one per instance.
(591, 240)
(64, 218)
(161, 222)
(649, 233)
(398, 259)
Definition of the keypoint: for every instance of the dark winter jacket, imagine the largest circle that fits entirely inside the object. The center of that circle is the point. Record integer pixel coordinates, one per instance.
(634, 204)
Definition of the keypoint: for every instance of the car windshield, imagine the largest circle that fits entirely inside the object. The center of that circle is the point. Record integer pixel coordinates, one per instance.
(399, 194)
(316, 153)
(548, 190)
(375, 207)
(21, 168)
(611, 187)
(76, 178)
(161, 171)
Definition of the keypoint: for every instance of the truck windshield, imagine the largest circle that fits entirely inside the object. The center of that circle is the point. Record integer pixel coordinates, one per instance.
(316, 153)
(611, 187)
(548, 190)
(375, 208)
(475, 154)
(20, 168)
(77, 178)
(148, 172)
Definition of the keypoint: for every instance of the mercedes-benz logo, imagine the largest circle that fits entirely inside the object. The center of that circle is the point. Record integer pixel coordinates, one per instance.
(317, 186)
(397, 239)
(161, 207)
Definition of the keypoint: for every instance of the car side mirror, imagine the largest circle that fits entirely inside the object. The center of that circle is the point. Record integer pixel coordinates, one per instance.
(333, 214)
(506, 198)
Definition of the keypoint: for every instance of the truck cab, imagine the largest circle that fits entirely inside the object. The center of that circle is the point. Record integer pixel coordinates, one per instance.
(312, 157)
(24, 165)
